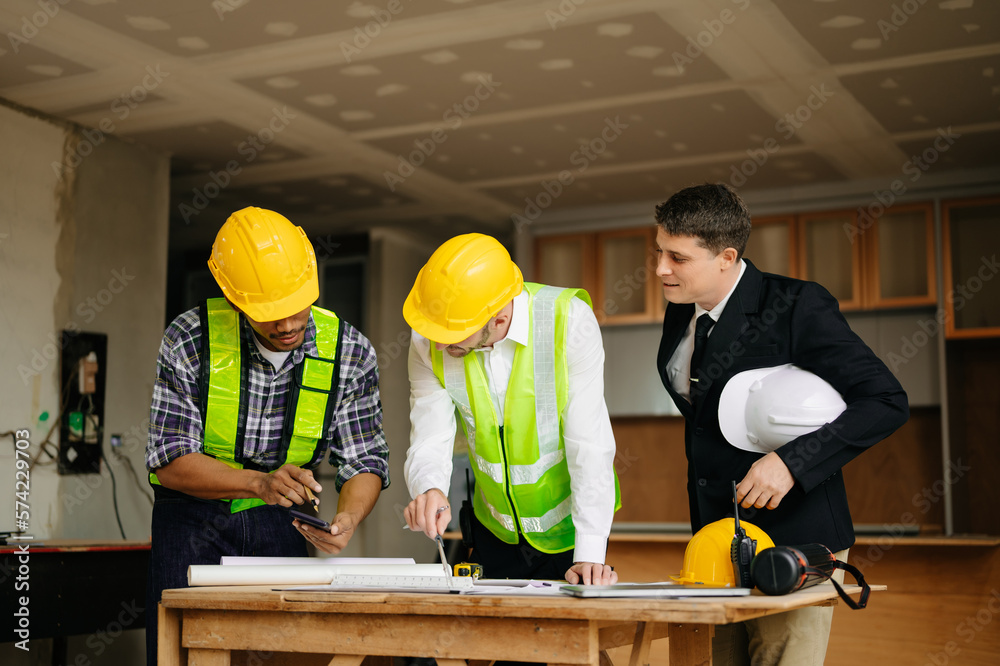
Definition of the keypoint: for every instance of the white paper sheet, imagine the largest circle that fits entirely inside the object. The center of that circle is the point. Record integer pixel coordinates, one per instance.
(315, 574)
(239, 560)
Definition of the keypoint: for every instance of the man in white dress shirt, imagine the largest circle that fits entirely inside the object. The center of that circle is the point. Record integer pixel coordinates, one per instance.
(522, 366)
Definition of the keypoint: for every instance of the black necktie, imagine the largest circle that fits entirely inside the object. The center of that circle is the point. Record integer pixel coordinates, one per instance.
(701, 329)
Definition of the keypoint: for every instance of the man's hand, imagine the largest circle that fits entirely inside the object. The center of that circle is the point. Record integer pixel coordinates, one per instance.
(591, 573)
(766, 484)
(341, 530)
(285, 486)
(428, 513)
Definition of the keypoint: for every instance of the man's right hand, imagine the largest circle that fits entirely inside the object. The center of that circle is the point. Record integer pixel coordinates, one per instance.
(285, 486)
(428, 513)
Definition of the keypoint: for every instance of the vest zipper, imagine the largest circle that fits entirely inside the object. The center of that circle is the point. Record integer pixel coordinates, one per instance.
(503, 454)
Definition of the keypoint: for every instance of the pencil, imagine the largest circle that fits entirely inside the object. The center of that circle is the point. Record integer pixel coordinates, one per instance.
(312, 498)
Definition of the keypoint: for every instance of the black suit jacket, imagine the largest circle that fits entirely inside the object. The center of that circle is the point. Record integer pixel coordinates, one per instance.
(771, 320)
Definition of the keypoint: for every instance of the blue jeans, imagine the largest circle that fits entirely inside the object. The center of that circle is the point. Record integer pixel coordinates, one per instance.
(189, 531)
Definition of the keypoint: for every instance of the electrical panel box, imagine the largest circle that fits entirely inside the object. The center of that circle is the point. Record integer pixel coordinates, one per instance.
(83, 369)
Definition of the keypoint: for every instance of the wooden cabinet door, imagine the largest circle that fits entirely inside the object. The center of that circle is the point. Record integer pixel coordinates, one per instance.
(566, 261)
(626, 265)
(899, 258)
(830, 254)
(772, 246)
(971, 232)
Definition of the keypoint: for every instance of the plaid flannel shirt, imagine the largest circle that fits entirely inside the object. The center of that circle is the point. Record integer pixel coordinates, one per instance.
(355, 438)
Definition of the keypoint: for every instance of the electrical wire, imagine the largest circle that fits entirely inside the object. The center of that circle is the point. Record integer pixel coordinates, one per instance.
(114, 499)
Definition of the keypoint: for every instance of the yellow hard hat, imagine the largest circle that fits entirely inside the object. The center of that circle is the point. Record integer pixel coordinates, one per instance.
(264, 264)
(467, 281)
(707, 558)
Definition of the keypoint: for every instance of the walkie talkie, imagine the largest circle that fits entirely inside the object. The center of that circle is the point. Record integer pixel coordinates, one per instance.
(742, 550)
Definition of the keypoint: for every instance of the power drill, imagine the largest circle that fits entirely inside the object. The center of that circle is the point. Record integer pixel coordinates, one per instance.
(742, 550)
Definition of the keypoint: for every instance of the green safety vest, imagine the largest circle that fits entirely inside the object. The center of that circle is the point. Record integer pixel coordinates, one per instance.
(223, 389)
(522, 479)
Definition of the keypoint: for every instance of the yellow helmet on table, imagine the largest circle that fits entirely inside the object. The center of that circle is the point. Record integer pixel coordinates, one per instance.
(264, 264)
(464, 284)
(707, 558)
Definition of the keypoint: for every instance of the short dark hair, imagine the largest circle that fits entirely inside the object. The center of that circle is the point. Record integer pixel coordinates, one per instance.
(713, 213)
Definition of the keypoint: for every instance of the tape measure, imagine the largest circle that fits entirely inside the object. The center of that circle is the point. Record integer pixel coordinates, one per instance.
(466, 569)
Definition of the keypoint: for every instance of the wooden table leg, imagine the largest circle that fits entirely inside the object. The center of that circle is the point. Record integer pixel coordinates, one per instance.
(691, 644)
(640, 646)
(347, 660)
(168, 638)
(199, 657)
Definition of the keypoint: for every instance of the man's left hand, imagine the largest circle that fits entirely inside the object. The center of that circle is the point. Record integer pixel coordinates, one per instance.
(766, 484)
(591, 573)
(334, 541)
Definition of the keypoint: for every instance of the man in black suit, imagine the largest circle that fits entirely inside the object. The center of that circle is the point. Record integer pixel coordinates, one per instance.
(757, 320)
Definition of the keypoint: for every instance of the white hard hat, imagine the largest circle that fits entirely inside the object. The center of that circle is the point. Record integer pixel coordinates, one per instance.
(763, 409)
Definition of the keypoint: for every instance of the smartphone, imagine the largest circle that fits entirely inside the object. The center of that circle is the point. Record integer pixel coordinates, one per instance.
(309, 518)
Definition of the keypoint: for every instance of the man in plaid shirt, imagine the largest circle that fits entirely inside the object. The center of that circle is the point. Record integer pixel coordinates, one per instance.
(251, 392)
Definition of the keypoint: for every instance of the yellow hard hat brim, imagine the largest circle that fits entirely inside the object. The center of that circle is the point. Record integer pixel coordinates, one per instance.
(286, 307)
(432, 330)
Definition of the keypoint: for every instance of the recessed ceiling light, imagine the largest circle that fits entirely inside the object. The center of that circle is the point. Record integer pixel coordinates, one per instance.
(356, 115)
(669, 71)
(323, 99)
(556, 64)
(614, 29)
(842, 22)
(442, 57)
(391, 89)
(866, 44)
(361, 70)
(192, 43)
(282, 82)
(524, 44)
(648, 52)
(147, 23)
(281, 29)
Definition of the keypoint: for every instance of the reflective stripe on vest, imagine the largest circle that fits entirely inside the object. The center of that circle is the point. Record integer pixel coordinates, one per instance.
(524, 474)
(315, 381)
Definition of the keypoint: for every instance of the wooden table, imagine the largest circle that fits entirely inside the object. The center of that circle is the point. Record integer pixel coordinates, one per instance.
(201, 626)
(76, 587)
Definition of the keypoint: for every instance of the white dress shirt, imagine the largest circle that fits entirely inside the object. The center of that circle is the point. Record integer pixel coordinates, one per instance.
(589, 440)
(679, 366)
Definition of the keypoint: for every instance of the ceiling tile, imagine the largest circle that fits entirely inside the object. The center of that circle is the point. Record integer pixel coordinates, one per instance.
(30, 64)
(445, 85)
(199, 27)
(913, 98)
(679, 128)
(657, 185)
(935, 155)
(856, 30)
(212, 146)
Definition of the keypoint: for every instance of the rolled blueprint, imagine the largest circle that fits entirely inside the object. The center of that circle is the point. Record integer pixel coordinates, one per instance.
(307, 574)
